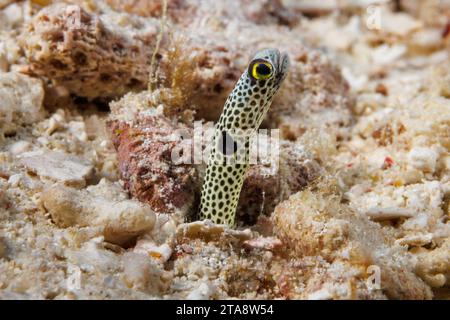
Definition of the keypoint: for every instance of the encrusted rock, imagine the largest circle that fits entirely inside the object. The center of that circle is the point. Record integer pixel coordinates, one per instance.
(145, 162)
(92, 56)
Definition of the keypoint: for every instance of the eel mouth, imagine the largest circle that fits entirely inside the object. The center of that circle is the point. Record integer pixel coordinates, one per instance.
(283, 65)
(281, 62)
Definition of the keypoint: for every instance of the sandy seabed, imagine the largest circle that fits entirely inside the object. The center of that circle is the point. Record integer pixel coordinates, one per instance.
(93, 92)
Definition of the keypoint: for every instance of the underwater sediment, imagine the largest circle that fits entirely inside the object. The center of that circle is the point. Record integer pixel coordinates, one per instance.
(94, 94)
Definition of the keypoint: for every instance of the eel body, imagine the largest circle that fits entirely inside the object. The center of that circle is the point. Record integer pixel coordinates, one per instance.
(242, 115)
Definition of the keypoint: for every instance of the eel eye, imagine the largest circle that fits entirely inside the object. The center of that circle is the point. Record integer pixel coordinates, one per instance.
(260, 69)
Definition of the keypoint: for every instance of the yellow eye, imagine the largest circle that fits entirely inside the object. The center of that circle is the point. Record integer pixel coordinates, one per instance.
(261, 70)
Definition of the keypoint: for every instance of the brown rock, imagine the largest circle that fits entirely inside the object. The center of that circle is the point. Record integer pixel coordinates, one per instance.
(145, 163)
(76, 49)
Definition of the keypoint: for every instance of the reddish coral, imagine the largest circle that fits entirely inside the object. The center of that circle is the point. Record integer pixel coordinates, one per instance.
(144, 151)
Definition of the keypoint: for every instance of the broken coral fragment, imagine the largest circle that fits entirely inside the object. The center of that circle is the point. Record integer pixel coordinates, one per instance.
(121, 220)
(92, 56)
(142, 273)
(57, 166)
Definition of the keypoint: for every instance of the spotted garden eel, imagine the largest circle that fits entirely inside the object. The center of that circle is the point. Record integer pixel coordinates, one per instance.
(242, 115)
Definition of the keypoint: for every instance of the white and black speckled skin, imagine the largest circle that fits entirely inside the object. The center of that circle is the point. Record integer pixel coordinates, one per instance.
(242, 115)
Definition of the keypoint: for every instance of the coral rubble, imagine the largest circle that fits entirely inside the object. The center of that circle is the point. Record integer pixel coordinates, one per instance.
(98, 96)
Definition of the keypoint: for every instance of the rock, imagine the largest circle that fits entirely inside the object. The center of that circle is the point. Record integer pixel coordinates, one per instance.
(389, 213)
(145, 162)
(141, 273)
(433, 265)
(91, 55)
(13, 15)
(317, 224)
(120, 220)
(419, 204)
(22, 99)
(423, 159)
(399, 24)
(93, 256)
(57, 166)
(14, 180)
(315, 93)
